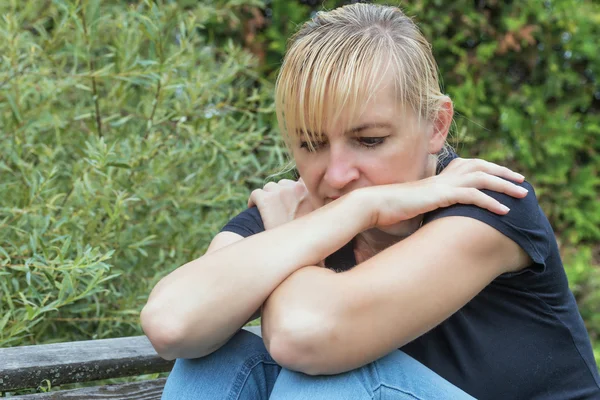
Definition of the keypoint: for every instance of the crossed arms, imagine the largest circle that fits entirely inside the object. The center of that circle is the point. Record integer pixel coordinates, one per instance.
(314, 320)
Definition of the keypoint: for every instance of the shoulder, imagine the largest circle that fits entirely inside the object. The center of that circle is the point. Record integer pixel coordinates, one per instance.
(525, 224)
(246, 223)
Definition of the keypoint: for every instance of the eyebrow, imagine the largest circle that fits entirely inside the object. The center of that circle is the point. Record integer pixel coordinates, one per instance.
(359, 128)
(364, 127)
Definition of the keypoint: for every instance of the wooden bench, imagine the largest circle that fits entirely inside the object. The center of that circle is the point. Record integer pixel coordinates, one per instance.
(91, 360)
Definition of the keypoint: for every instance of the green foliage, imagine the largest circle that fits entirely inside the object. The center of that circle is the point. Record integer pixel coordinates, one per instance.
(131, 131)
(128, 139)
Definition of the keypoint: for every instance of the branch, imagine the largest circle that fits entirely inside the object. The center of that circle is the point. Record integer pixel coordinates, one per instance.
(156, 96)
(93, 69)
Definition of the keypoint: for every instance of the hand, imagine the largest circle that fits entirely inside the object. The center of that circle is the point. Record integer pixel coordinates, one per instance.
(281, 202)
(460, 182)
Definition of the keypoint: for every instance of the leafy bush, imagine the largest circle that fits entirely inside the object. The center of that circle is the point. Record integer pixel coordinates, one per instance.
(128, 139)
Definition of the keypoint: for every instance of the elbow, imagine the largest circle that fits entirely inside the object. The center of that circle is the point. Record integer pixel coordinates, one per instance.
(297, 346)
(298, 331)
(172, 338)
(164, 335)
(289, 355)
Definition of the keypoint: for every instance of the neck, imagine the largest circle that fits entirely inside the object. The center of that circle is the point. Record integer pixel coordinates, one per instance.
(373, 241)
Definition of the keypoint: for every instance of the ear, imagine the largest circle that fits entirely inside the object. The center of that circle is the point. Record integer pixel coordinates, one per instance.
(441, 126)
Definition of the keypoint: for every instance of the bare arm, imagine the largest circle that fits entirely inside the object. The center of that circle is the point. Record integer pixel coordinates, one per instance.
(343, 321)
(199, 306)
(319, 322)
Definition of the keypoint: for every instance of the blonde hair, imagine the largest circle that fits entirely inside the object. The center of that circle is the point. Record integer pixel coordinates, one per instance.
(339, 58)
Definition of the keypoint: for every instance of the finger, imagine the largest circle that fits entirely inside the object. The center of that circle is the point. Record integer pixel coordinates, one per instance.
(493, 169)
(478, 198)
(301, 183)
(287, 182)
(253, 197)
(300, 188)
(270, 187)
(483, 180)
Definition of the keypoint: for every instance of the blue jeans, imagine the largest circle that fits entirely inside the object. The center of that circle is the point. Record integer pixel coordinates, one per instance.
(243, 370)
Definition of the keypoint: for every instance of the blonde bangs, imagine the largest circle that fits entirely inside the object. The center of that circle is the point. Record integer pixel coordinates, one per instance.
(324, 76)
(339, 59)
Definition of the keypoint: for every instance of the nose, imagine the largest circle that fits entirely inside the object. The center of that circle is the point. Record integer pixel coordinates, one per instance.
(341, 169)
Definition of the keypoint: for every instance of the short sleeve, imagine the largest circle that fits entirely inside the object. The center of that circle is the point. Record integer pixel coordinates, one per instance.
(525, 223)
(246, 223)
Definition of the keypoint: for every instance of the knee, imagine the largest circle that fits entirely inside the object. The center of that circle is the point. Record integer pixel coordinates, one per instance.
(242, 346)
(237, 351)
(292, 385)
(189, 376)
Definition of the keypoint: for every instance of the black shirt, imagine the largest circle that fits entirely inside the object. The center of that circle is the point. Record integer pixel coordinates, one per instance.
(521, 337)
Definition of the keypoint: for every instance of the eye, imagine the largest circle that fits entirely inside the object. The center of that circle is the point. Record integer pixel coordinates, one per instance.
(316, 145)
(371, 141)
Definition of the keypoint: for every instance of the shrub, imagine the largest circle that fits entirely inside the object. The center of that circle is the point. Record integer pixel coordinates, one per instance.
(129, 139)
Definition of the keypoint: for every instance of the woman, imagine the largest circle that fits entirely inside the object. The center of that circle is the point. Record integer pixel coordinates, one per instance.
(432, 288)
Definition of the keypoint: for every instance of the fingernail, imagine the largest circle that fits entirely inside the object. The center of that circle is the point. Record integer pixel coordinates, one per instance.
(523, 190)
(504, 208)
(520, 176)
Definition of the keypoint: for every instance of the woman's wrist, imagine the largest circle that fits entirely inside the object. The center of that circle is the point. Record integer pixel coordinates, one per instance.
(363, 207)
(325, 230)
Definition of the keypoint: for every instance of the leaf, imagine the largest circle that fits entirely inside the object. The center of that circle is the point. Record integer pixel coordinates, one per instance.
(150, 28)
(121, 121)
(66, 287)
(14, 108)
(83, 87)
(5, 254)
(65, 247)
(4, 321)
(118, 165)
(30, 312)
(83, 116)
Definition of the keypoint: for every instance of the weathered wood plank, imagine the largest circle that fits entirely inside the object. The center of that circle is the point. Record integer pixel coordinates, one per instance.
(145, 390)
(89, 360)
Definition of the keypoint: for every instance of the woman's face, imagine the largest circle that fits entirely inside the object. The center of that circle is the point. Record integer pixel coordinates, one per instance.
(385, 145)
